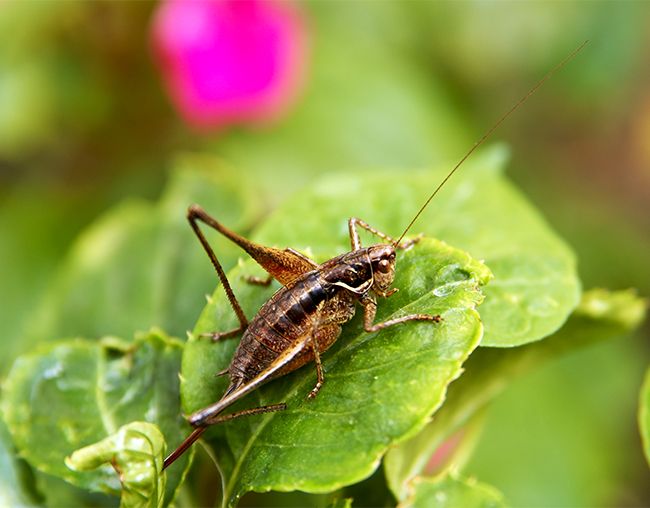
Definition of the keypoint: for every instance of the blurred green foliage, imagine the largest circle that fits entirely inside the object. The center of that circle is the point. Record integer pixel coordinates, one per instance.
(450, 491)
(84, 124)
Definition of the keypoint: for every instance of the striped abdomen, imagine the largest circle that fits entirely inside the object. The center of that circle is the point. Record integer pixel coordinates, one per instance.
(289, 316)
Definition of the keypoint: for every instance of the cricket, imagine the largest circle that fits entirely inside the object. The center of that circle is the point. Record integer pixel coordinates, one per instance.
(305, 316)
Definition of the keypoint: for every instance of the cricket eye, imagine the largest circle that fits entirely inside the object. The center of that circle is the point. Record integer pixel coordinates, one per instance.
(384, 266)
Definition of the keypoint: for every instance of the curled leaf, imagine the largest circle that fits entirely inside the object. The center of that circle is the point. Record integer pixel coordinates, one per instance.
(135, 453)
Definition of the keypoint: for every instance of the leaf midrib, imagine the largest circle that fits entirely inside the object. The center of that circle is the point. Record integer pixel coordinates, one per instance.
(102, 404)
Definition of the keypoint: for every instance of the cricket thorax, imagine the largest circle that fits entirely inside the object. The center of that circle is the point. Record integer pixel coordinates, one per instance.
(361, 270)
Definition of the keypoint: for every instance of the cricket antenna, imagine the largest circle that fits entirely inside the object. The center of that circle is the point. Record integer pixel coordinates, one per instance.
(489, 133)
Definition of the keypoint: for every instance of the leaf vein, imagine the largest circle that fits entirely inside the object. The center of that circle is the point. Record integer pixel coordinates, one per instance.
(100, 395)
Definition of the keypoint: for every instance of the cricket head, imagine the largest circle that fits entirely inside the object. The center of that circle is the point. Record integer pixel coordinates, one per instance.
(382, 258)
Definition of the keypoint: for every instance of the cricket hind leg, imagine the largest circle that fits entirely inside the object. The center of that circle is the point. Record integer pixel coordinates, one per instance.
(253, 281)
(196, 214)
(284, 265)
(355, 241)
(288, 253)
(198, 431)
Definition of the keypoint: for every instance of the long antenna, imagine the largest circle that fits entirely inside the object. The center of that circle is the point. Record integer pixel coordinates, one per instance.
(492, 129)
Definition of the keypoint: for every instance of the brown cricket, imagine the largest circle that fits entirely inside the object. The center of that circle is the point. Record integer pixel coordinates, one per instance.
(304, 317)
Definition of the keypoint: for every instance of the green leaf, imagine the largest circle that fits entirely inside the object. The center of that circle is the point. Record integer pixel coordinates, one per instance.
(16, 483)
(601, 315)
(140, 265)
(57, 492)
(379, 388)
(67, 395)
(644, 415)
(452, 491)
(341, 503)
(135, 454)
(535, 282)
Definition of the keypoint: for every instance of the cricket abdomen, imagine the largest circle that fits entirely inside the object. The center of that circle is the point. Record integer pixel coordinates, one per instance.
(288, 317)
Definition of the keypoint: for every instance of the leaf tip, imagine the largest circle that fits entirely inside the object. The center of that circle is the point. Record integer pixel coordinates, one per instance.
(623, 307)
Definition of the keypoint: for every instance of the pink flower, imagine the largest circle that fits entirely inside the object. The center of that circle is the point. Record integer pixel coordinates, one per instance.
(230, 61)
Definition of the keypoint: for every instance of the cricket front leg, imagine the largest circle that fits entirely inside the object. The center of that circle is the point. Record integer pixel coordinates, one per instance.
(355, 241)
(370, 310)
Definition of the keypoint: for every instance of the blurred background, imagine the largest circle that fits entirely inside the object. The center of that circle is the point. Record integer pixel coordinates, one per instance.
(98, 99)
